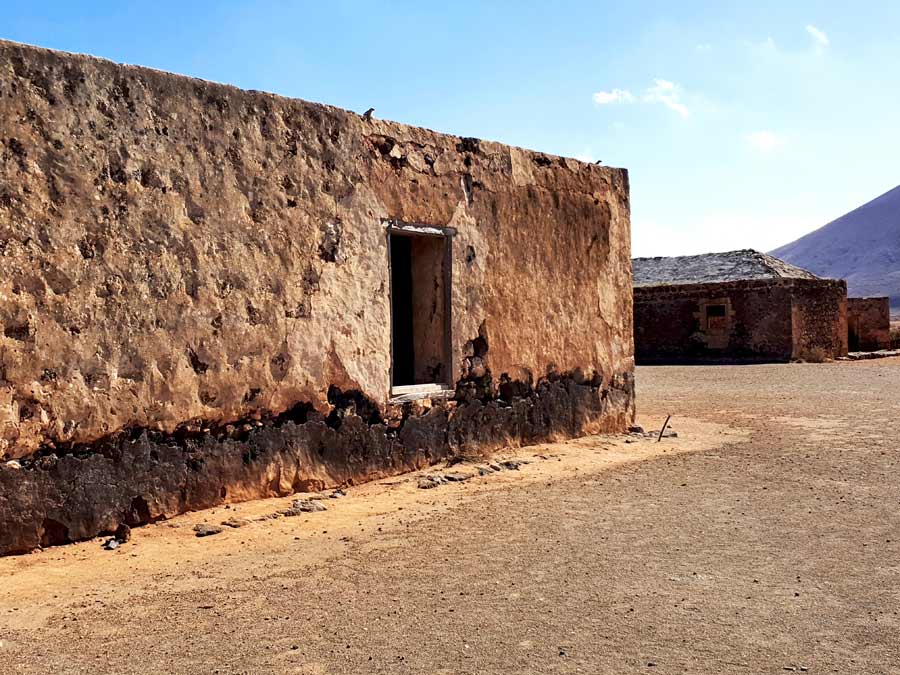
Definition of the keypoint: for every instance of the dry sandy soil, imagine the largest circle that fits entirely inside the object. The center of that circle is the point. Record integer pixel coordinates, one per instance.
(765, 538)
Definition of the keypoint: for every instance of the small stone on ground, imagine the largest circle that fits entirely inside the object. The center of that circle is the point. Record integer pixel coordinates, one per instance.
(123, 533)
(235, 522)
(206, 530)
(458, 476)
(300, 506)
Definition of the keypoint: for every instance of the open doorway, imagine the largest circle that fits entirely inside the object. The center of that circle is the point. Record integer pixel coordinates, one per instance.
(420, 303)
(853, 333)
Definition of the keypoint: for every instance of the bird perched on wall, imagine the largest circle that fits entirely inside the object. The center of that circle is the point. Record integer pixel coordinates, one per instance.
(368, 114)
(599, 161)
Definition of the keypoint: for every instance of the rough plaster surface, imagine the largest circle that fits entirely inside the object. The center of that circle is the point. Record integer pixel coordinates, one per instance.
(177, 250)
(195, 296)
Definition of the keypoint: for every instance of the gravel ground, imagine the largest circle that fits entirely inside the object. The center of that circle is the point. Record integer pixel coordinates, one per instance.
(764, 539)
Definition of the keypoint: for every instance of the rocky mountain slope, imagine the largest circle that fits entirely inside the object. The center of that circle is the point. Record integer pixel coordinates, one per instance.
(862, 246)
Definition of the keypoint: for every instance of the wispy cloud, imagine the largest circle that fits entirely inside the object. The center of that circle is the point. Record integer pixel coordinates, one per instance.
(613, 96)
(818, 35)
(662, 91)
(667, 93)
(765, 141)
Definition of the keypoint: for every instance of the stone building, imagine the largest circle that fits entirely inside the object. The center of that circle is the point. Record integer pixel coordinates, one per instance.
(868, 324)
(735, 305)
(209, 295)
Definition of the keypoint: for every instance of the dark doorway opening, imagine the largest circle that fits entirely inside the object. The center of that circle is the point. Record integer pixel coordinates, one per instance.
(853, 334)
(420, 290)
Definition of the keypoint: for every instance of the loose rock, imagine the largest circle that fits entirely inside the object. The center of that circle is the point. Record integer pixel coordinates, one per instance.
(300, 506)
(308, 505)
(458, 476)
(123, 533)
(428, 482)
(206, 530)
(270, 516)
(235, 522)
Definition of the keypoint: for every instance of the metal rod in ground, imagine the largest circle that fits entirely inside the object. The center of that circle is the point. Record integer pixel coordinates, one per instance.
(663, 430)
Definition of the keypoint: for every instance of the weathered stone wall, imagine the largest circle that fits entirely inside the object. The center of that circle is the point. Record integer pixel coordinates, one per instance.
(181, 261)
(868, 324)
(819, 317)
(774, 320)
(671, 324)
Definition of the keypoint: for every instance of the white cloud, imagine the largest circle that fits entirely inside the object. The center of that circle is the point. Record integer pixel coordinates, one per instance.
(667, 93)
(818, 35)
(765, 141)
(662, 91)
(613, 96)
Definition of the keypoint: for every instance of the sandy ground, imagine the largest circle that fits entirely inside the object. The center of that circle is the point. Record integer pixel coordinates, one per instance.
(764, 538)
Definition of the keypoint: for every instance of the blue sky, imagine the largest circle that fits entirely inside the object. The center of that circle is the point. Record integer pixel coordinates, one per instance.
(742, 124)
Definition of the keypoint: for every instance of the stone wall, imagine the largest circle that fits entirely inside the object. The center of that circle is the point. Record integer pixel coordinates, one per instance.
(671, 322)
(868, 324)
(194, 285)
(819, 317)
(768, 319)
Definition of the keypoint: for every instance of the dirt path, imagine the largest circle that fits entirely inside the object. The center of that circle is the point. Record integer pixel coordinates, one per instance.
(766, 536)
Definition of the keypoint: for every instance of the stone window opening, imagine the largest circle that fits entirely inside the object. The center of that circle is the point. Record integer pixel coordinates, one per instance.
(716, 317)
(420, 264)
(714, 320)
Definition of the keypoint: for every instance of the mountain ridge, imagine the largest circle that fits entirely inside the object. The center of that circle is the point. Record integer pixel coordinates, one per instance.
(862, 246)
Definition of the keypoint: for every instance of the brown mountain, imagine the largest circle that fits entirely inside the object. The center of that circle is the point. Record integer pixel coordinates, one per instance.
(862, 246)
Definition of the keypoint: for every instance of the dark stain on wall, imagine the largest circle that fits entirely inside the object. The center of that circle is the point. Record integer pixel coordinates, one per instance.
(140, 476)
